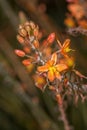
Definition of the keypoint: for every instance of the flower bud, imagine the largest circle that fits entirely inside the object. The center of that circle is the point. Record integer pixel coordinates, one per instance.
(27, 27)
(36, 32)
(26, 23)
(26, 62)
(20, 53)
(51, 37)
(32, 25)
(20, 26)
(36, 44)
(23, 32)
(27, 49)
(20, 39)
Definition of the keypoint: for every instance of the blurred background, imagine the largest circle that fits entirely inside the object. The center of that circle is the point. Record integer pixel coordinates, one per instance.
(22, 105)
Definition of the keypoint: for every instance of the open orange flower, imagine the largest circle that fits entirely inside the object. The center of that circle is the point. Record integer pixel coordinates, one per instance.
(52, 68)
(64, 49)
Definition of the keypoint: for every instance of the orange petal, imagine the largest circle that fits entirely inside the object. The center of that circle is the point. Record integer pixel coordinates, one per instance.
(50, 63)
(61, 67)
(59, 43)
(65, 54)
(66, 43)
(54, 58)
(51, 75)
(43, 68)
(57, 75)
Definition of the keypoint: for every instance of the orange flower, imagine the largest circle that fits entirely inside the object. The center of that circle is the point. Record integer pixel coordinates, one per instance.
(40, 81)
(64, 49)
(53, 70)
(68, 61)
(83, 23)
(76, 10)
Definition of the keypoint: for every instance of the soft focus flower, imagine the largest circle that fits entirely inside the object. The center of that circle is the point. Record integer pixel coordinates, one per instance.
(52, 68)
(64, 49)
(76, 10)
(40, 81)
(69, 22)
(69, 61)
(83, 23)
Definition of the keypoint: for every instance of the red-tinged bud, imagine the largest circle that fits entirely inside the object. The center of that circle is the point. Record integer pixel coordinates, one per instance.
(20, 39)
(20, 53)
(26, 49)
(51, 38)
(36, 32)
(36, 44)
(26, 62)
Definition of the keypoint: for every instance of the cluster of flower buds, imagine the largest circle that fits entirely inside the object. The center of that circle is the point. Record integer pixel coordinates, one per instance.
(28, 31)
(54, 65)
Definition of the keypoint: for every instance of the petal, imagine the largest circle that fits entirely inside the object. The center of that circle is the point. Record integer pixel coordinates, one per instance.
(57, 75)
(66, 43)
(59, 43)
(54, 58)
(50, 63)
(51, 75)
(61, 67)
(43, 68)
(65, 54)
